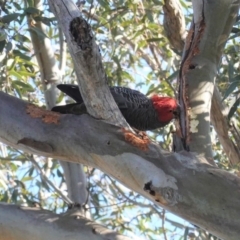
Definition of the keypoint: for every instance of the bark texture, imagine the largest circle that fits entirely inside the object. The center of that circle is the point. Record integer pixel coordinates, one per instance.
(24, 223)
(180, 182)
(174, 24)
(203, 49)
(88, 63)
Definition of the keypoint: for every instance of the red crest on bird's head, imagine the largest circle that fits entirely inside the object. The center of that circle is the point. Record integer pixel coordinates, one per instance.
(166, 107)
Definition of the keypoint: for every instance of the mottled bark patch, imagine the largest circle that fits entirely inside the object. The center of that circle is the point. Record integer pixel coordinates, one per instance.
(81, 33)
(37, 145)
(46, 116)
(166, 195)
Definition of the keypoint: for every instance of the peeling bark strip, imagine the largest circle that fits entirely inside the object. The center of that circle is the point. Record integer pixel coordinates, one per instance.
(191, 49)
(82, 33)
(139, 140)
(46, 116)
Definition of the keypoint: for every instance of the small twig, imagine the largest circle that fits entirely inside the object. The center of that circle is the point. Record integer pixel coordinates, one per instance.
(163, 222)
(46, 179)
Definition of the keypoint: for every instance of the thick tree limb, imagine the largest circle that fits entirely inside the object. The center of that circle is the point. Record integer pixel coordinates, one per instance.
(221, 126)
(174, 24)
(24, 223)
(88, 64)
(181, 183)
(203, 49)
(45, 59)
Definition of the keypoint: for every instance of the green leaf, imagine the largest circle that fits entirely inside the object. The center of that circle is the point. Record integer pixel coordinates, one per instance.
(21, 47)
(235, 30)
(39, 32)
(21, 55)
(30, 3)
(236, 78)
(26, 74)
(9, 47)
(21, 38)
(17, 6)
(26, 178)
(16, 74)
(32, 10)
(25, 86)
(126, 75)
(2, 45)
(45, 20)
(154, 39)
(230, 89)
(10, 17)
(234, 36)
(30, 172)
(173, 76)
(45, 185)
(104, 3)
(20, 183)
(233, 109)
(230, 70)
(59, 173)
(3, 34)
(149, 14)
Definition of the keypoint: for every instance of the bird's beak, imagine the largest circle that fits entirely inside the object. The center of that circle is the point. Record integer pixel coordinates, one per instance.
(176, 112)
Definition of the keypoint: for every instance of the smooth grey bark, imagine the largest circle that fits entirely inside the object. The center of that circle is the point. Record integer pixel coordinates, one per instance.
(180, 182)
(76, 183)
(24, 223)
(49, 71)
(221, 126)
(210, 29)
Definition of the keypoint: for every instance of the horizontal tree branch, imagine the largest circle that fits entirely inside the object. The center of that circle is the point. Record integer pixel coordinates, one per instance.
(24, 223)
(179, 182)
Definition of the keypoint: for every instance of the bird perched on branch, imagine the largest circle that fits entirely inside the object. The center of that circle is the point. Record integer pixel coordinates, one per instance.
(140, 112)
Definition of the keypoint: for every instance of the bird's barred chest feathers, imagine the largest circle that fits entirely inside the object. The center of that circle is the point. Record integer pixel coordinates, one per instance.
(142, 118)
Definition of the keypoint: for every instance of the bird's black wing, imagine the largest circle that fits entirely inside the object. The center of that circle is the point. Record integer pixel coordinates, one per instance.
(72, 91)
(129, 98)
(122, 95)
(137, 109)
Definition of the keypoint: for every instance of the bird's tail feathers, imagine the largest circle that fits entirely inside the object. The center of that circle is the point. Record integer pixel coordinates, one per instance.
(72, 91)
(73, 108)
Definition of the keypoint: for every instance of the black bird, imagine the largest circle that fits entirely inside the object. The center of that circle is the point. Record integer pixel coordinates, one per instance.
(140, 112)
